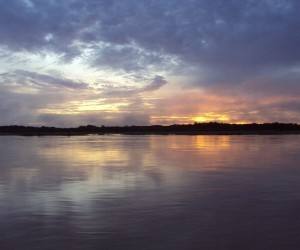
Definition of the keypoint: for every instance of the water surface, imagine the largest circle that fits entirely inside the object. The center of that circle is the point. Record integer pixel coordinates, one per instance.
(150, 192)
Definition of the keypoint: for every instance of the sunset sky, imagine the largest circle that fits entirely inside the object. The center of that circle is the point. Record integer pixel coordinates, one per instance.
(125, 62)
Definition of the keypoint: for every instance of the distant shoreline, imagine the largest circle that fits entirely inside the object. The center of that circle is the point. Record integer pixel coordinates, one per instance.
(211, 128)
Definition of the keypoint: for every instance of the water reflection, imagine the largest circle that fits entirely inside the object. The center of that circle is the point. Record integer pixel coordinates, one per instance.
(150, 192)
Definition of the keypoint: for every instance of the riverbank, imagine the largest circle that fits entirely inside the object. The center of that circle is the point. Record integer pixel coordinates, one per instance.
(212, 128)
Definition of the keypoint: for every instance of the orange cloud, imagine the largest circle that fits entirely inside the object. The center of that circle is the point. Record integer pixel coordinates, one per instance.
(198, 106)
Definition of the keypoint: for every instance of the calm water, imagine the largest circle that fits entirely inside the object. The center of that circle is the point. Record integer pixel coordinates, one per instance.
(150, 192)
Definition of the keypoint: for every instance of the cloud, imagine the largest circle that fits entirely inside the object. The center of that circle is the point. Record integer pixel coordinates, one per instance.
(23, 95)
(127, 58)
(96, 119)
(156, 83)
(229, 41)
(223, 49)
(187, 106)
(38, 99)
(37, 80)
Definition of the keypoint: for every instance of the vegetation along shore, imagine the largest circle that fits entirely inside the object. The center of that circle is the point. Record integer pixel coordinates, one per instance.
(211, 128)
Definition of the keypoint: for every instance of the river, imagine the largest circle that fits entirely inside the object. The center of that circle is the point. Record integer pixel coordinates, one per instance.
(150, 192)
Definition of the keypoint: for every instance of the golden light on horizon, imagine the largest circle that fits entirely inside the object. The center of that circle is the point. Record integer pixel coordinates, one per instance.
(200, 118)
(211, 116)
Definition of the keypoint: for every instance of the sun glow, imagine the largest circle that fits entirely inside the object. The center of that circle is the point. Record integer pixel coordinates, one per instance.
(211, 116)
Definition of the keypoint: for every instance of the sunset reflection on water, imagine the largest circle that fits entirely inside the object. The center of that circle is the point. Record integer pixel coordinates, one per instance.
(175, 192)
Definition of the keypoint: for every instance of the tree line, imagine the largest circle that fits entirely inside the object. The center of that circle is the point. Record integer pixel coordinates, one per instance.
(196, 128)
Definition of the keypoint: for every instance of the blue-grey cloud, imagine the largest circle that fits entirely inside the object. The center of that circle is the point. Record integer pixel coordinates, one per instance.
(155, 83)
(127, 58)
(230, 40)
(37, 80)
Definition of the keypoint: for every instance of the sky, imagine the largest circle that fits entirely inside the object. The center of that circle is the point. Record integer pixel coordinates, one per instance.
(68, 63)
